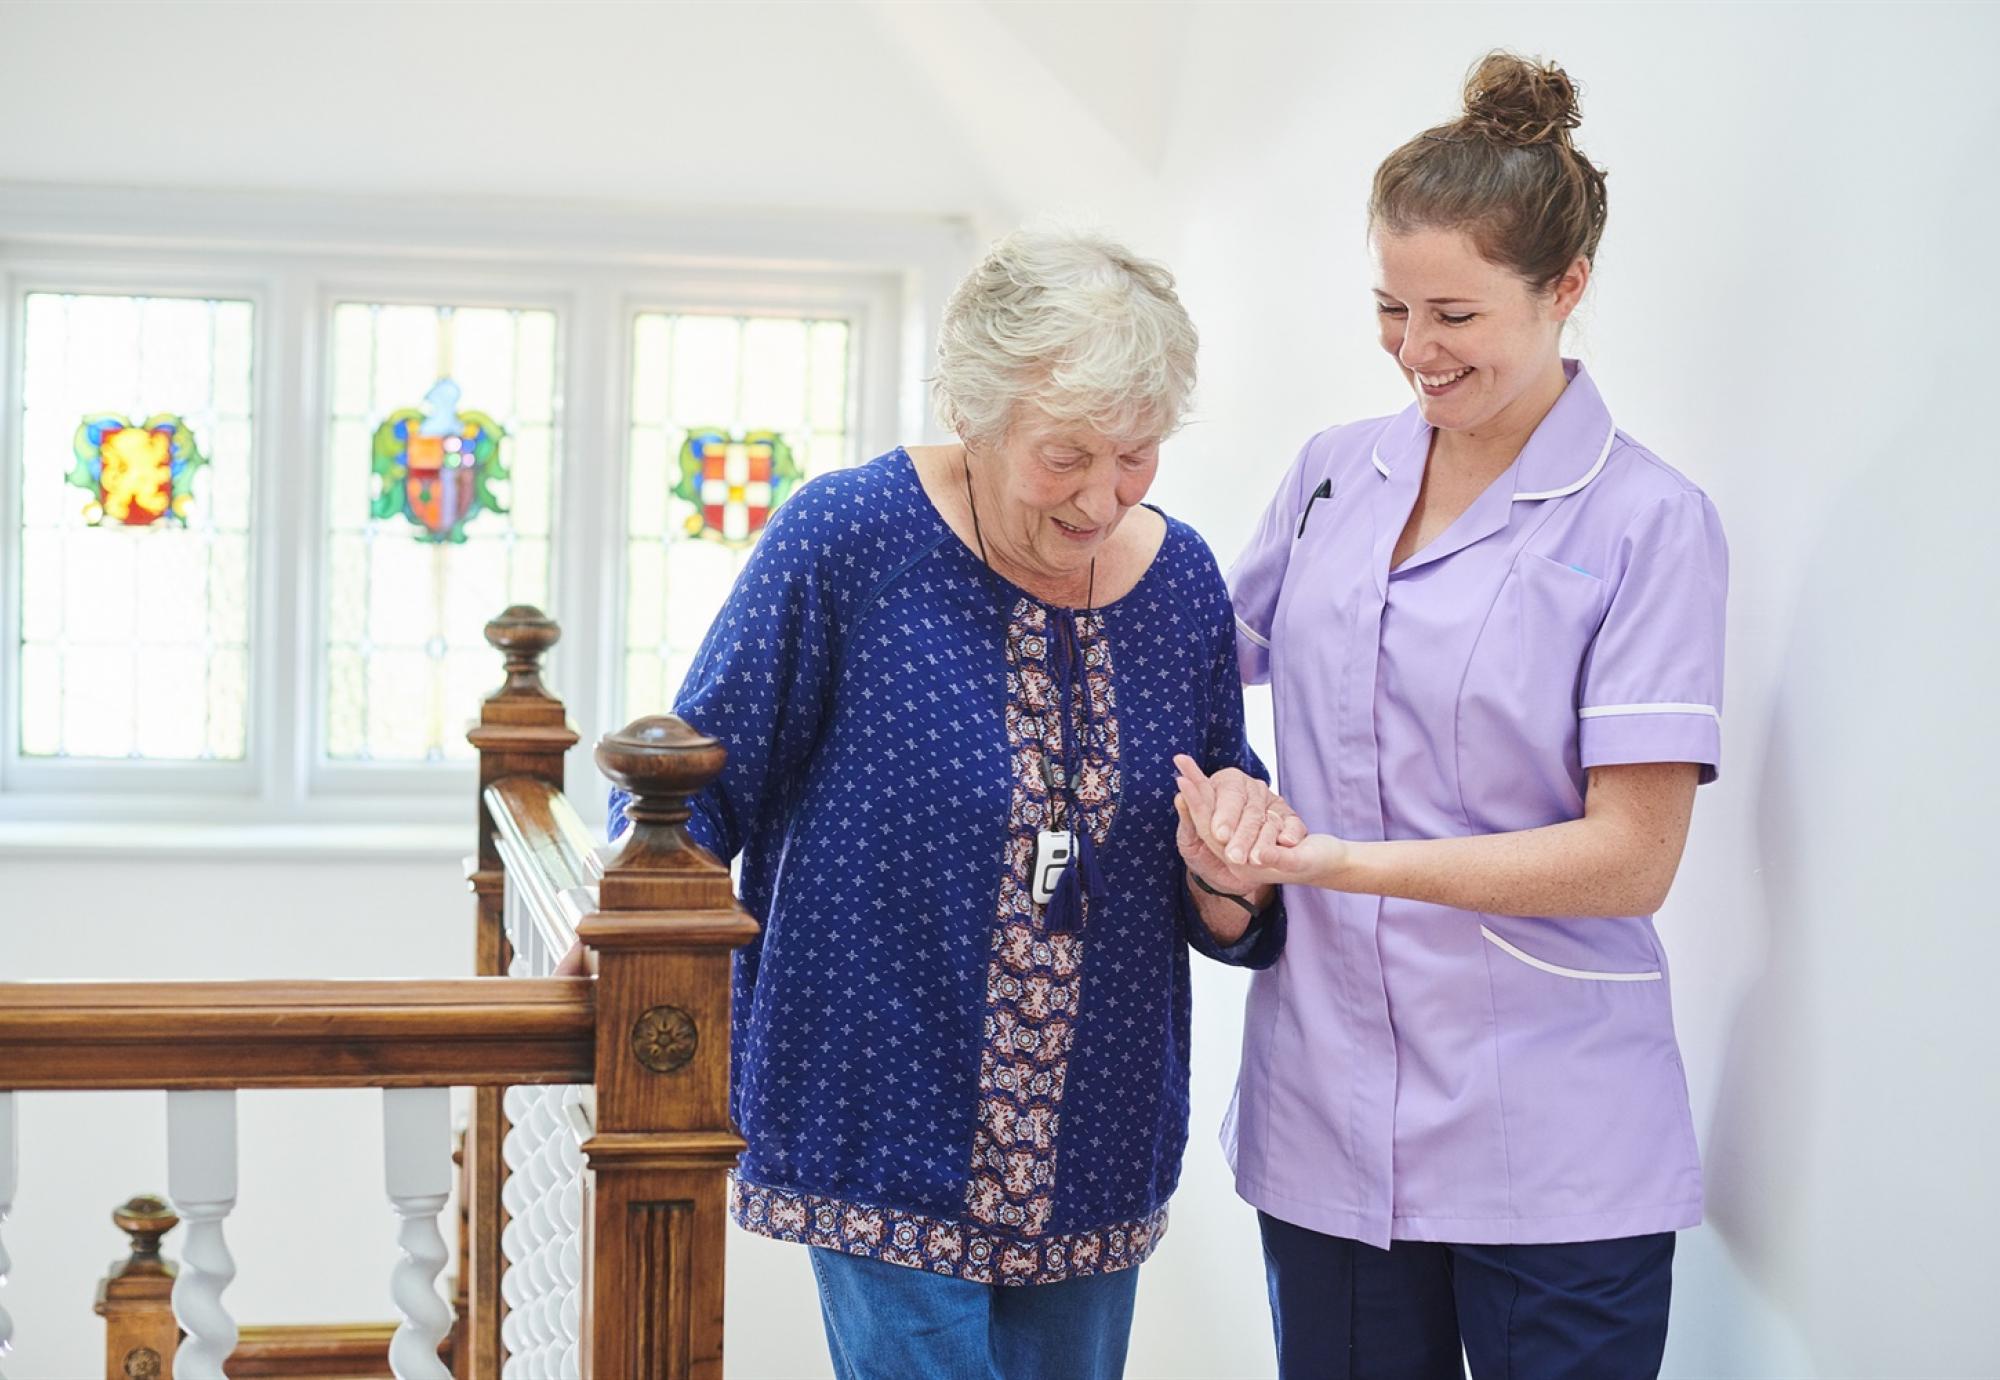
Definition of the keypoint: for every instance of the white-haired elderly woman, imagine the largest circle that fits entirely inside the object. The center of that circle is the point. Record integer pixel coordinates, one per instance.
(952, 683)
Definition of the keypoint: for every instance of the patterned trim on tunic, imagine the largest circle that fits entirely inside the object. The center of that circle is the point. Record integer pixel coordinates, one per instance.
(1034, 979)
(945, 1248)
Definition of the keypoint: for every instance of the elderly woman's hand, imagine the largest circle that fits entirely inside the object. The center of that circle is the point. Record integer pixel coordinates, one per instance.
(1205, 862)
(1248, 828)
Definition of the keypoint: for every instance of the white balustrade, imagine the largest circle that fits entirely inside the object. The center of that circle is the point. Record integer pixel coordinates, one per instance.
(10, 1145)
(201, 1180)
(543, 1281)
(416, 1151)
(542, 1277)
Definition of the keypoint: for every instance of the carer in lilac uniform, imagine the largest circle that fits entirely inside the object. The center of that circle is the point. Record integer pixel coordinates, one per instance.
(1493, 625)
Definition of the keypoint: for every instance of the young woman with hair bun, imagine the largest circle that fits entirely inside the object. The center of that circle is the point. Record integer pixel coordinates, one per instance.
(1493, 627)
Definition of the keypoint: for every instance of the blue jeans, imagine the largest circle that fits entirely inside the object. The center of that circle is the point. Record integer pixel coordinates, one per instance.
(1582, 1310)
(891, 1322)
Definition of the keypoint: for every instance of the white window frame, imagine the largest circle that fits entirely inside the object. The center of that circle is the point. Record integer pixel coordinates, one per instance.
(293, 258)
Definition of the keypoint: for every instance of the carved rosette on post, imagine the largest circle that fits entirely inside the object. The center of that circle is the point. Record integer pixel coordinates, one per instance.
(663, 933)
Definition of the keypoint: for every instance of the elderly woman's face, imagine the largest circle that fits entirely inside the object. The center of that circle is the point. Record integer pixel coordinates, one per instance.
(1064, 488)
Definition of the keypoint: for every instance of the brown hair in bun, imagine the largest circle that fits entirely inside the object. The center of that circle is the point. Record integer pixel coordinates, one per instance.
(1505, 172)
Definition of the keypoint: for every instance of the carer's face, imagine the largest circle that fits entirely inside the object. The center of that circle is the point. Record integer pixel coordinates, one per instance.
(1470, 336)
(1064, 488)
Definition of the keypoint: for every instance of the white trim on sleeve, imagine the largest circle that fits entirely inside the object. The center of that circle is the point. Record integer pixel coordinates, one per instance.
(1609, 711)
(1251, 633)
(1586, 975)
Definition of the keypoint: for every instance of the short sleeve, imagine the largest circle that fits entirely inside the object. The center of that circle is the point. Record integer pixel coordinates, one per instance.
(1259, 573)
(1652, 680)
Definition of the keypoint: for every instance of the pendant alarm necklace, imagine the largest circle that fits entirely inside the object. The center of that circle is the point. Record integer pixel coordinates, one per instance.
(1060, 854)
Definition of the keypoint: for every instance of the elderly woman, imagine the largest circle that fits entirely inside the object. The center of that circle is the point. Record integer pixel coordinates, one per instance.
(952, 683)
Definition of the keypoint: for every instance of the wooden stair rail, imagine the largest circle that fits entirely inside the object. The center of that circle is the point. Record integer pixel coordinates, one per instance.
(644, 1043)
(522, 734)
(338, 1033)
(660, 944)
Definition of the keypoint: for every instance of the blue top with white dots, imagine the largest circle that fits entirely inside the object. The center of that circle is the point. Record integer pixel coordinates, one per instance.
(930, 1067)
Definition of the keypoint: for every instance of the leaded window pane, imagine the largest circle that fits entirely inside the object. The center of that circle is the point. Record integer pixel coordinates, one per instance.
(441, 455)
(136, 429)
(728, 415)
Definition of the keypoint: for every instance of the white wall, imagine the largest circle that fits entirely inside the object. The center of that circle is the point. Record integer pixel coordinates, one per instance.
(1790, 307)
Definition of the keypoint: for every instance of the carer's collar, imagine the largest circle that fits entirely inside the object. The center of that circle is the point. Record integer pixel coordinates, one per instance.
(1567, 451)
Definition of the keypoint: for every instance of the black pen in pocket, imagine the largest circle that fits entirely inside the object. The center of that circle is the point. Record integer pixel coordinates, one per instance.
(1325, 490)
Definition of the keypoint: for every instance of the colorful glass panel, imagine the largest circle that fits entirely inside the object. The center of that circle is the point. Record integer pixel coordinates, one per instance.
(734, 482)
(135, 534)
(438, 515)
(729, 414)
(437, 466)
(136, 473)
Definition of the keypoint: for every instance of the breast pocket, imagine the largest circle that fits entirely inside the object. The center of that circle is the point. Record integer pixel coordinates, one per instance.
(1518, 708)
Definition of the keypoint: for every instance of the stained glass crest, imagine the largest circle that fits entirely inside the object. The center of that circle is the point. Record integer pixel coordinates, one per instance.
(137, 473)
(436, 465)
(734, 482)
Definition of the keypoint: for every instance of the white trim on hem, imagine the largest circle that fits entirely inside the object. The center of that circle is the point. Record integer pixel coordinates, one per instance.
(1251, 633)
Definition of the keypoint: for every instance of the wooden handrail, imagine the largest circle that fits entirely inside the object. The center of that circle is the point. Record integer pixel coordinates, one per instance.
(551, 859)
(480, 1032)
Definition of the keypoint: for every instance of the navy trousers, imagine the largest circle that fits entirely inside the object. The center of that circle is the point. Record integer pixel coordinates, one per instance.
(1585, 1310)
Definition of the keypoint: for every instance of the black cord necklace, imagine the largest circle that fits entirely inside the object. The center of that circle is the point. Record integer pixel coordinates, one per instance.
(1082, 877)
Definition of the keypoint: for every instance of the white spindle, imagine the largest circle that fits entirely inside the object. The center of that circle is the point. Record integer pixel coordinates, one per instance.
(544, 1201)
(201, 1179)
(416, 1149)
(10, 1144)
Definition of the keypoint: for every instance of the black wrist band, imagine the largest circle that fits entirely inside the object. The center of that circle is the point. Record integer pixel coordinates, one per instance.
(1242, 901)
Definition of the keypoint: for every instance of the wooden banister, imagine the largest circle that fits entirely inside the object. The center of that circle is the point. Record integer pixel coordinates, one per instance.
(482, 1032)
(522, 734)
(648, 1033)
(660, 942)
(551, 857)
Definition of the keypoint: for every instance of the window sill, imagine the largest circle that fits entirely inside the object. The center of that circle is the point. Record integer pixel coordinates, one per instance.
(303, 842)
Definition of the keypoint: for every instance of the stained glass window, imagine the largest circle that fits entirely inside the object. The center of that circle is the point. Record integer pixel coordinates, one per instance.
(135, 517)
(441, 467)
(728, 414)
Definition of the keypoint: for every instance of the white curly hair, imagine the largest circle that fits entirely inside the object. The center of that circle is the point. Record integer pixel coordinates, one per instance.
(1072, 323)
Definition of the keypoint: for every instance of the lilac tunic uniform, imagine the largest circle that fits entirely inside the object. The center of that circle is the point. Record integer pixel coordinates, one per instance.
(1415, 1071)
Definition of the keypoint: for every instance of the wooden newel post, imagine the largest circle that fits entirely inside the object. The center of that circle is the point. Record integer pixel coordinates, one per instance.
(136, 1298)
(522, 731)
(655, 1199)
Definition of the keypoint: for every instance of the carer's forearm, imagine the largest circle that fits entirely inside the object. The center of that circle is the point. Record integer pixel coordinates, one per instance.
(1584, 867)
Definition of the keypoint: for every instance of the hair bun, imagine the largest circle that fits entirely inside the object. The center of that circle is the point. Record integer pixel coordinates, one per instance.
(1513, 100)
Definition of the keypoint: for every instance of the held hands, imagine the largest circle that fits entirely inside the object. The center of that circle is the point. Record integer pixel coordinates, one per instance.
(1237, 833)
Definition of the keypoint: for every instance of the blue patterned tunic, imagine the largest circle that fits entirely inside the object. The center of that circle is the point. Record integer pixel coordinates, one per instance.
(931, 1069)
